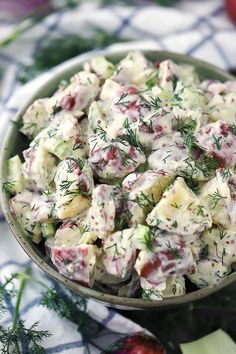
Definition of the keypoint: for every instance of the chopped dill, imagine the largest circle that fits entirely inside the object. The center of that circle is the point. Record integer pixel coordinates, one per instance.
(7, 187)
(222, 233)
(204, 252)
(216, 198)
(200, 210)
(102, 134)
(155, 103)
(174, 82)
(65, 185)
(144, 200)
(122, 100)
(217, 141)
(56, 109)
(152, 80)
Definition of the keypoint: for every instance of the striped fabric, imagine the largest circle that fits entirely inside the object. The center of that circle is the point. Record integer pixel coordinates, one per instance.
(199, 28)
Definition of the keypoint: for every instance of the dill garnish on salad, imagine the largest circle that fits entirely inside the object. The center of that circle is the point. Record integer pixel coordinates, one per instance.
(129, 178)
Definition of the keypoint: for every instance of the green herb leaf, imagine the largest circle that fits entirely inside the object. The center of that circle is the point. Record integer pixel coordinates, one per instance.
(216, 198)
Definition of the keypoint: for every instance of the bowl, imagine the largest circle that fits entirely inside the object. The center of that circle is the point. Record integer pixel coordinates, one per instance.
(15, 142)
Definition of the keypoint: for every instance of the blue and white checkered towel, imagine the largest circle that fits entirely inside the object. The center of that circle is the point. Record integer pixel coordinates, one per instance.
(199, 28)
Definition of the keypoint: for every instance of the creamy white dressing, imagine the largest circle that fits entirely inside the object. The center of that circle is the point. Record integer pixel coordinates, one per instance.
(130, 177)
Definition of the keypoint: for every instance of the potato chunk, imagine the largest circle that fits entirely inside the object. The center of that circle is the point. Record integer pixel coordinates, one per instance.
(180, 211)
(144, 191)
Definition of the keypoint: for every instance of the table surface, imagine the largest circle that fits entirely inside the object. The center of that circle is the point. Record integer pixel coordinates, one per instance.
(189, 322)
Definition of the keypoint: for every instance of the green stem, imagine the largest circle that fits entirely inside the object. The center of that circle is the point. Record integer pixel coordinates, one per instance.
(27, 22)
(22, 279)
(29, 277)
(13, 276)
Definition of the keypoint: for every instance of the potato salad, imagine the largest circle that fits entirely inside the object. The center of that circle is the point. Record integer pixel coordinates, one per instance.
(129, 181)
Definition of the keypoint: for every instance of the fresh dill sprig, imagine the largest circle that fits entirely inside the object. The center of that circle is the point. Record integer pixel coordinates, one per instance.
(102, 134)
(6, 293)
(175, 205)
(186, 126)
(129, 137)
(152, 80)
(206, 163)
(122, 220)
(65, 185)
(71, 307)
(55, 50)
(122, 100)
(77, 145)
(155, 103)
(174, 81)
(216, 197)
(124, 156)
(222, 233)
(217, 141)
(148, 240)
(148, 293)
(11, 337)
(200, 210)
(7, 187)
(226, 173)
(75, 193)
(55, 301)
(116, 254)
(175, 252)
(144, 200)
(83, 229)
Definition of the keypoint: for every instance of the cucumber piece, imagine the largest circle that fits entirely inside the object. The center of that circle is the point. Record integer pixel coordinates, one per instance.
(61, 149)
(141, 237)
(15, 179)
(96, 119)
(217, 342)
(102, 67)
(48, 230)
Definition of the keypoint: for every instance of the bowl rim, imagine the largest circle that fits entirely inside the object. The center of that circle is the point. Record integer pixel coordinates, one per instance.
(107, 299)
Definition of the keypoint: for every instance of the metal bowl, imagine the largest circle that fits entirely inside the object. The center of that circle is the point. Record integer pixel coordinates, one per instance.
(14, 143)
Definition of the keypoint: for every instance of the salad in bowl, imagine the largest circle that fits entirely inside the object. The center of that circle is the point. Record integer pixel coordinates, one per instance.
(128, 180)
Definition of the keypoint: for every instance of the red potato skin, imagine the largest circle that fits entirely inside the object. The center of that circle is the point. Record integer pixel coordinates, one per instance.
(230, 6)
(137, 344)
